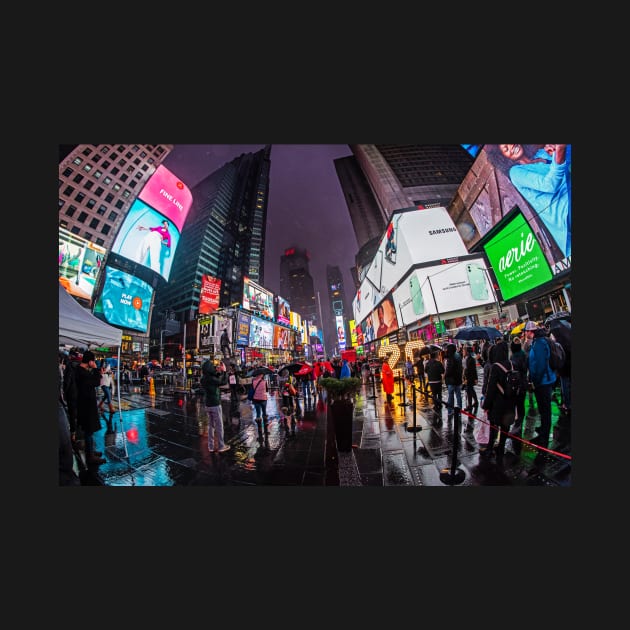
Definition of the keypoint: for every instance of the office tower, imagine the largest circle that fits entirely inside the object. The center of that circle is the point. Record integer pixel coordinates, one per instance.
(337, 302)
(381, 178)
(296, 284)
(99, 182)
(224, 236)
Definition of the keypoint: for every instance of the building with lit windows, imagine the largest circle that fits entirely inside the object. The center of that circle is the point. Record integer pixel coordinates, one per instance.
(296, 283)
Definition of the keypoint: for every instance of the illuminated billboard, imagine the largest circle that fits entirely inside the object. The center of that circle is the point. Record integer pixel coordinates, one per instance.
(341, 335)
(124, 301)
(282, 338)
(413, 236)
(517, 258)
(536, 178)
(443, 288)
(256, 298)
(260, 333)
(147, 238)
(209, 296)
(284, 311)
(243, 323)
(79, 264)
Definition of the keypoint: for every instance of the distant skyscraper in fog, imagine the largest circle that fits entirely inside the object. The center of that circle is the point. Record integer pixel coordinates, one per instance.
(296, 283)
(337, 305)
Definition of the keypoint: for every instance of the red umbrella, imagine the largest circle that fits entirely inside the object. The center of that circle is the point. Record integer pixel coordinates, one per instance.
(305, 369)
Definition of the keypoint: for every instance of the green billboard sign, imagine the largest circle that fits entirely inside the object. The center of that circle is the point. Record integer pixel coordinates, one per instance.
(517, 259)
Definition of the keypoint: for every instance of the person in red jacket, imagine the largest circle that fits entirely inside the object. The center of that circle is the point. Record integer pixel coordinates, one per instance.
(387, 378)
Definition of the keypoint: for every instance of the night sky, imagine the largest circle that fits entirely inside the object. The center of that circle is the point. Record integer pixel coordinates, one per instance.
(306, 207)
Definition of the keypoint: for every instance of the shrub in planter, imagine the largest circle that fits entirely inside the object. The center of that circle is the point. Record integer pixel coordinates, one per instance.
(341, 393)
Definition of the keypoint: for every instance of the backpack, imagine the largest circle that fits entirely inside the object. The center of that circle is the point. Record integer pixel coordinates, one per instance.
(557, 356)
(250, 393)
(512, 381)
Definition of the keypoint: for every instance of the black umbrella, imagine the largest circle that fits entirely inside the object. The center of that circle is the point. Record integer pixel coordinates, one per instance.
(429, 349)
(559, 316)
(471, 333)
(260, 370)
(561, 330)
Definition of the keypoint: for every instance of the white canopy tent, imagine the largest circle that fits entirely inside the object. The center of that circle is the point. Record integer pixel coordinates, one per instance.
(78, 327)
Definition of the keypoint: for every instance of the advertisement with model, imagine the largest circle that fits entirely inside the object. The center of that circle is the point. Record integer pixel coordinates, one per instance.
(209, 296)
(257, 298)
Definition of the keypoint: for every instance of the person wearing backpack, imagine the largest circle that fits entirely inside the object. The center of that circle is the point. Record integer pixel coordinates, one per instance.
(499, 400)
(519, 361)
(543, 378)
(453, 373)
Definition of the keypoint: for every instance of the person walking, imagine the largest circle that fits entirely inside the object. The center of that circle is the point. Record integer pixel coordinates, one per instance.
(453, 372)
(435, 371)
(88, 378)
(519, 361)
(71, 364)
(470, 380)
(107, 385)
(419, 365)
(213, 376)
(542, 378)
(497, 402)
(233, 383)
(259, 383)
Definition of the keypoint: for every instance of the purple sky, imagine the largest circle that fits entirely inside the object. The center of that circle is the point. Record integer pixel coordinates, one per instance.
(306, 206)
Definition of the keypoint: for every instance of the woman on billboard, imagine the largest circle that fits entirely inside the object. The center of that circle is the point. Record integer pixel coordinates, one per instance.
(155, 247)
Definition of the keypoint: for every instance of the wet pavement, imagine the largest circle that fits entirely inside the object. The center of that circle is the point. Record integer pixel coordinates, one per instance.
(161, 440)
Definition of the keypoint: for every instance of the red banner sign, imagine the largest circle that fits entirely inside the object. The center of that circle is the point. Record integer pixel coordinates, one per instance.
(209, 298)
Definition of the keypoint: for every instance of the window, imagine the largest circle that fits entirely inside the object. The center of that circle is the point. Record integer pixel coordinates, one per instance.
(130, 169)
(143, 154)
(115, 171)
(102, 209)
(60, 203)
(97, 174)
(121, 163)
(107, 180)
(87, 168)
(137, 161)
(71, 210)
(75, 229)
(126, 193)
(135, 148)
(88, 235)
(94, 223)
(96, 159)
(106, 164)
(80, 197)
(132, 184)
(68, 191)
(112, 216)
(63, 224)
(82, 217)
(124, 178)
(99, 191)
(145, 168)
(104, 149)
(91, 203)
(68, 171)
(138, 175)
(129, 155)
(87, 152)
(116, 187)
(121, 148)
(77, 178)
(119, 204)
(88, 185)
(105, 229)
(109, 198)
(77, 160)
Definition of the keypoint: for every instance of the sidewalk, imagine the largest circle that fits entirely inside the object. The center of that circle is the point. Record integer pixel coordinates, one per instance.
(161, 440)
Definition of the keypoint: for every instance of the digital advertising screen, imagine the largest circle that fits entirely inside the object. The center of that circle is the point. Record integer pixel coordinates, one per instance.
(413, 236)
(456, 286)
(124, 301)
(260, 333)
(284, 311)
(281, 338)
(210, 293)
(79, 264)
(147, 238)
(221, 323)
(243, 323)
(517, 258)
(341, 335)
(536, 178)
(257, 298)
(167, 194)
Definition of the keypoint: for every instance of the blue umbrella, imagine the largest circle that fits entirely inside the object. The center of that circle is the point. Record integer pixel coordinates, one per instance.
(470, 333)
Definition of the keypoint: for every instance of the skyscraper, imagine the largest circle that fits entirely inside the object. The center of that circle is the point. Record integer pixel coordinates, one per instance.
(296, 283)
(224, 236)
(338, 308)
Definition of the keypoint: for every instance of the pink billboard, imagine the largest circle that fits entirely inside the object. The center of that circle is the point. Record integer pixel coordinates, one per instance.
(209, 298)
(167, 194)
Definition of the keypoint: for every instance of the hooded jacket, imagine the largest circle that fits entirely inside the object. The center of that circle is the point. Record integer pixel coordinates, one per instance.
(211, 381)
(539, 371)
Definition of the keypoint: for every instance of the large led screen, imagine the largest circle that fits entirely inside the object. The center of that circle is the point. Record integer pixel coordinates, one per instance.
(454, 286)
(210, 292)
(282, 338)
(124, 301)
(79, 264)
(256, 298)
(517, 258)
(413, 236)
(260, 333)
(284, 311)
(243, 324)
(536, 178)
(148, 238)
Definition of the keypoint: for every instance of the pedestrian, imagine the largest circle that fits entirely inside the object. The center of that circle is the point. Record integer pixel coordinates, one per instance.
(435, 372)
(345, 370)
(419, 365)
(233, 383)
(88, 378)
(213, 376)
(126, 379)
(519, 361)
(409, 372)
(387, 378)
(542, 378)
(470, 381)
(107, 386)
(499, 405)
(225, 344)
(71, 363)
(453, 372)
(259, 383)
(67, 476)
(288, 421)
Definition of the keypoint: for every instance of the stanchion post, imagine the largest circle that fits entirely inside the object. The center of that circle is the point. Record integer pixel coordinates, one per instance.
(373, 396)
(453, 475)
(404, 403)
(414, 428)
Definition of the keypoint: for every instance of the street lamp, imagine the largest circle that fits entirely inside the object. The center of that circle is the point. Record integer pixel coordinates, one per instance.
(161, 349)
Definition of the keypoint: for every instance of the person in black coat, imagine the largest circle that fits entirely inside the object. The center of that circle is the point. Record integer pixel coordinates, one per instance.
(435, 371)
(519, 361)
(419, 365)
(88, 378)
(453, 372)
(500, 408)
(470, 380)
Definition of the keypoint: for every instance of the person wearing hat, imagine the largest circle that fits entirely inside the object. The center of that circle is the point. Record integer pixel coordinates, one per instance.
(519, 362)
(542, 378)
(88, 378)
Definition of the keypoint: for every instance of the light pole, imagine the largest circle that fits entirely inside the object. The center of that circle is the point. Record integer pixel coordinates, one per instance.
(161, 349)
